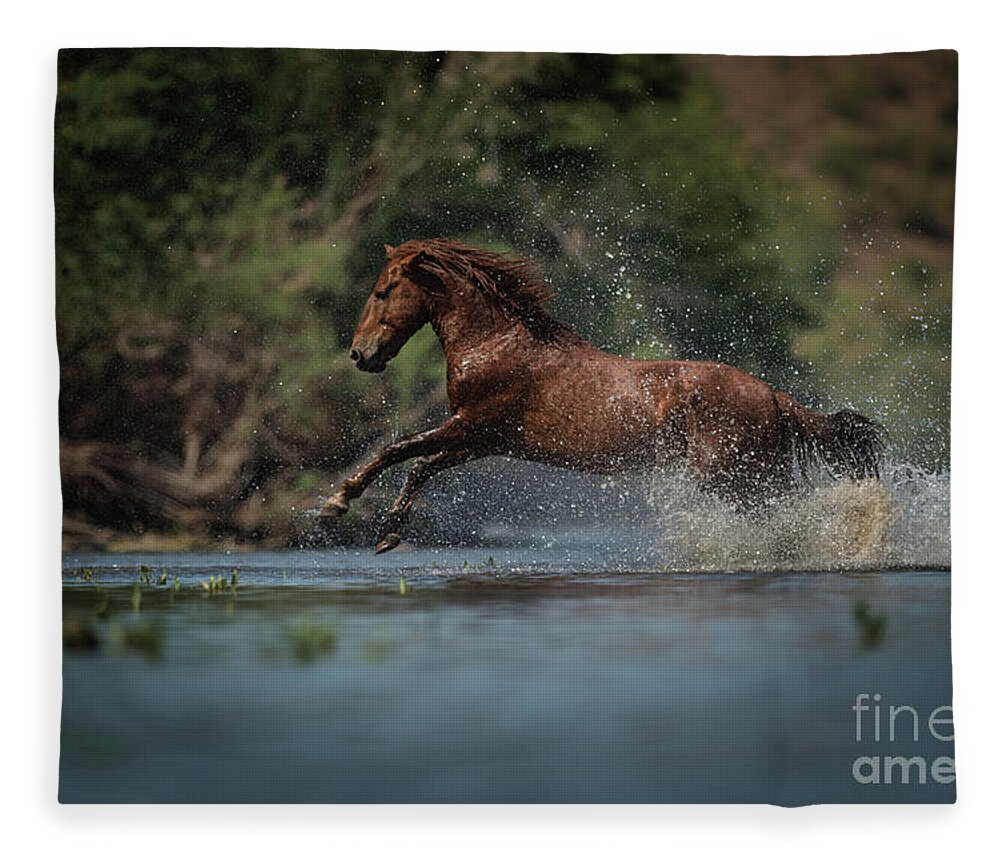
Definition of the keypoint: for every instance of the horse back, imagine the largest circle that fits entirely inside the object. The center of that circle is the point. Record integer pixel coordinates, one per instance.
(587, 408)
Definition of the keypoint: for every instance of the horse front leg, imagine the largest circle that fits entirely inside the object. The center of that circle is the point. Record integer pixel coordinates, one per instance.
(399, 514)
(449, 436)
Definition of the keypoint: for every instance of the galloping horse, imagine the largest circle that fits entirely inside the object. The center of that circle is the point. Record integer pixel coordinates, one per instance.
(521, 384)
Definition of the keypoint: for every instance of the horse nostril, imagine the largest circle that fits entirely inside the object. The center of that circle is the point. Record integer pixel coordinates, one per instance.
(355, 356)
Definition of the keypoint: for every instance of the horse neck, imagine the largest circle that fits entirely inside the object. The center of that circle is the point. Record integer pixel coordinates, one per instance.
(464, 324)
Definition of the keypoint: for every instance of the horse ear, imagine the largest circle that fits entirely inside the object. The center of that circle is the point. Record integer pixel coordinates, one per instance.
(421, 269)
(388, 250)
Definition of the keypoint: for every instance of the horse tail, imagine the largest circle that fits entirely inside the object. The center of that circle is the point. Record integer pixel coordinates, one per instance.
(847, 443)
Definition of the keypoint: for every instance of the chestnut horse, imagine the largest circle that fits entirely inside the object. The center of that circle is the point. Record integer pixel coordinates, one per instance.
(521, 384)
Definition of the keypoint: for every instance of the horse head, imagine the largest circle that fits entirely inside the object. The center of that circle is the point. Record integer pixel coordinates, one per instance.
(401, 303)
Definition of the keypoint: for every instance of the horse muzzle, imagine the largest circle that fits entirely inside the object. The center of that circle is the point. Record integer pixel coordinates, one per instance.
(370, 361)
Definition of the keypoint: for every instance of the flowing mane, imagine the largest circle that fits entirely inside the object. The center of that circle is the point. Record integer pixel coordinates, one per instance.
(514, 285)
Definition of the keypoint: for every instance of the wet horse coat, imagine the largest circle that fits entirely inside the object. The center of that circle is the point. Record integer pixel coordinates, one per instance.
(521, 384)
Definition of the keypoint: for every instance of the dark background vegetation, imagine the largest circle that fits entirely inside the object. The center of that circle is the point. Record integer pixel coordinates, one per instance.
(221, 213)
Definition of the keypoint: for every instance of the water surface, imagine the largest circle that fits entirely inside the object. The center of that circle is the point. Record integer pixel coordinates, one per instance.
(490, 675)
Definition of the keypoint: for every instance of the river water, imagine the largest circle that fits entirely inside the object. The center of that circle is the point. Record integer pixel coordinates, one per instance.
(560, 670)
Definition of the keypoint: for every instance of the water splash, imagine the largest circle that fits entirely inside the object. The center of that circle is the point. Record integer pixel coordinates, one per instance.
(901, 521)
(662, 521)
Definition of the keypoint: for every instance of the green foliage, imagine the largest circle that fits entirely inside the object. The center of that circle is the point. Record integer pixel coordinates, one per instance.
(309, 640)
(883, 334)
(218, 584)
(144, 637)
(887, 351)
(79, 635)
(870, 625)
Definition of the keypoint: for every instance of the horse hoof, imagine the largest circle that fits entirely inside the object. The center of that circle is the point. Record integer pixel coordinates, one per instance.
(335, 507)
(390, 541)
